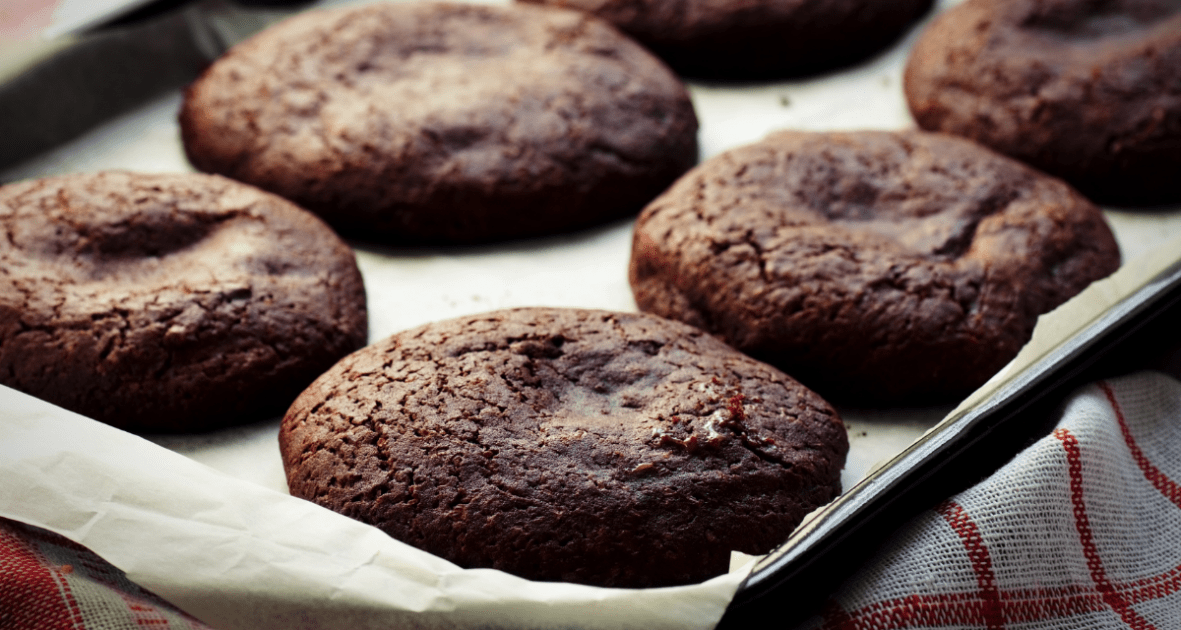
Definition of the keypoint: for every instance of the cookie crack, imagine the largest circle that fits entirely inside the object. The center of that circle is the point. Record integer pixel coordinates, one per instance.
(748, 237)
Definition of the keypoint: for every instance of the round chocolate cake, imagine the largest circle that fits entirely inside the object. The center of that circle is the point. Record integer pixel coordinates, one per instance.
(1087, 91)
(557, 444)
(873, 266)
(450, 123)
(730, 39)
(165, 303)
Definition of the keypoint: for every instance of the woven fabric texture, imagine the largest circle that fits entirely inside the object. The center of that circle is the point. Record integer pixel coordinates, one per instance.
(50, 583)
(1081, 530)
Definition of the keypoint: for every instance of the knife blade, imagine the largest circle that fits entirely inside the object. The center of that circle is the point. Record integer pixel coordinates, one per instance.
(52, 91)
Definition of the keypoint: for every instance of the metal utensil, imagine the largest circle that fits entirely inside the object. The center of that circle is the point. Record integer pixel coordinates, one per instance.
(791, 582)
(52, 91)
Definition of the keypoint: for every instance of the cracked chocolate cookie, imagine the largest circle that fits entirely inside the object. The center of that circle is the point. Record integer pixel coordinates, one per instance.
(162, 303)
(1084, 90)
(731, 39)
(430, 122)
(873, 266)
(558, 444)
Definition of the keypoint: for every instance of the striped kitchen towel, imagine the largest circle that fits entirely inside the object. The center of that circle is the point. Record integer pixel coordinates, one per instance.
(50, 583)
(1081, 530)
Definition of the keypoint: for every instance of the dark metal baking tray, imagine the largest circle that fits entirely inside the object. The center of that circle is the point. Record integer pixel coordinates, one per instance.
(795, 579)
(797, 576)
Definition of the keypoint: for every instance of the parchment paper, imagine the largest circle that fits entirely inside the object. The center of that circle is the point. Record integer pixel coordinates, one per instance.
(205, 520)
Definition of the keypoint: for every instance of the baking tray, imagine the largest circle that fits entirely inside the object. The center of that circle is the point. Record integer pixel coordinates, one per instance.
(408, 287)
(1138, 332)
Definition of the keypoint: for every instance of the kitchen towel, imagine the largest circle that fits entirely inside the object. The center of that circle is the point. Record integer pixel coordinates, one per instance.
(50, 583)
(1080, 530)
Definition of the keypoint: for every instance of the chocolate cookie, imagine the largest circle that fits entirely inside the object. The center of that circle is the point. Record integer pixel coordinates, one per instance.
(422, 122)
(744, 40)
(558, 444)
(169, 302)
(1088, 91)
(872, 266)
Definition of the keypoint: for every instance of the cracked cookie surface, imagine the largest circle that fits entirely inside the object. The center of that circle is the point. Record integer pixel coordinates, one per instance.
(431, 122)
(873, 266)
(571, 445)
(1087, 91)
(161, 303)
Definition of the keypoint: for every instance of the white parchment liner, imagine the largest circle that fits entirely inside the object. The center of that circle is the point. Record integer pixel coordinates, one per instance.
(237, 552)
(238, 555)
